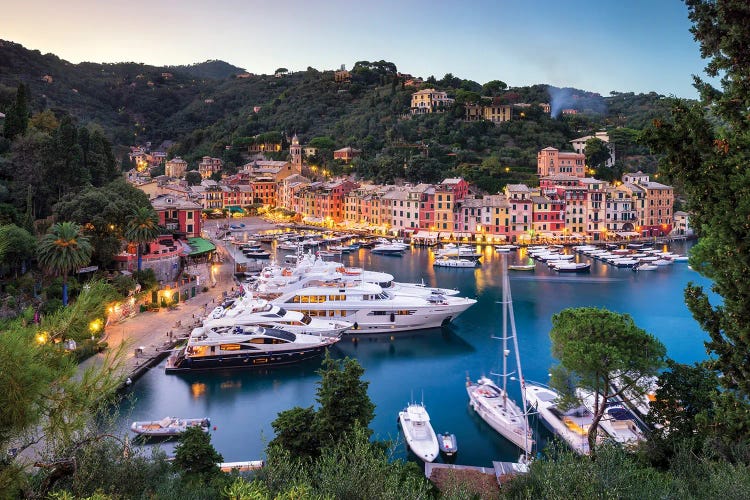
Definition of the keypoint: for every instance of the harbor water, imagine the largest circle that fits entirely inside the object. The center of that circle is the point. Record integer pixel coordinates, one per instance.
(432, 365)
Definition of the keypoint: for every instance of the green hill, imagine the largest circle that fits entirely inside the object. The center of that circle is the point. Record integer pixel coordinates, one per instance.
(204, 108)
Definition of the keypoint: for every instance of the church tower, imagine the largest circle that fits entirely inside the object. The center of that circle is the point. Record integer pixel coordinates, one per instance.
(295, 150)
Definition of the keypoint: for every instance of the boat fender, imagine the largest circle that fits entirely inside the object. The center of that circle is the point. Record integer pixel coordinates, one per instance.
(356, 326)
(393, 317)
(214, 427)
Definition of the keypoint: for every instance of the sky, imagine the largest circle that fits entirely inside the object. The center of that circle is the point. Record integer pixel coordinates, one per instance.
(595, 45)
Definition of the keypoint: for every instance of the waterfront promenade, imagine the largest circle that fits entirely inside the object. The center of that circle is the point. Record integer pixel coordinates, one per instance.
(148, 337)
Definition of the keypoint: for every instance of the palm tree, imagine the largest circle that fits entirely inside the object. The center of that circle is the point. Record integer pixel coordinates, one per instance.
(142, 227)
(64, 249)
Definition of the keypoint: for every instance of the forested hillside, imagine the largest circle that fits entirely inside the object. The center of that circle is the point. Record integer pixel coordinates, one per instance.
(204, 108)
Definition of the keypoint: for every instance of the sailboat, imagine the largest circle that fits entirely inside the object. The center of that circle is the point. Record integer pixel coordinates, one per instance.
(490, 401)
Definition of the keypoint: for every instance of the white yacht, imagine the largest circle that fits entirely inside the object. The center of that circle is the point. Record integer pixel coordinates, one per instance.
(571, 425)
(455, 262)
(373, 310)
(225, 347)
(395, 248)
(453, 250)
(247, 310)
(618, 422)
(309, 270)
(490, 401)
(418, 432)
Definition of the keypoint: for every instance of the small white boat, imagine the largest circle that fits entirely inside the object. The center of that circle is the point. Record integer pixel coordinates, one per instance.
(506, 248)
(680, 258)
(663, 262)
(168, 426)
(418, 432)
(454, 262)
(571, 267)
(645, 267)
(522, 267)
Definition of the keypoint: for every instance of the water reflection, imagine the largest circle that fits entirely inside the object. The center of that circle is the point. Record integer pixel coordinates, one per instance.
(242, 404)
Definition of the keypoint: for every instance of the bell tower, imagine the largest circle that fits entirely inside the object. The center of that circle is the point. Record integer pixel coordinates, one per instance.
(295, 150)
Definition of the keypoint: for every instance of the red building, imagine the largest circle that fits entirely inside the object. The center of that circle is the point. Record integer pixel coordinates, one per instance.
(178, 215)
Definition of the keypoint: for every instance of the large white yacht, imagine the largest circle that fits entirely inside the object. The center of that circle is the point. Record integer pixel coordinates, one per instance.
(247, 310)
(371, 309)
(310, 270)
(224, 347)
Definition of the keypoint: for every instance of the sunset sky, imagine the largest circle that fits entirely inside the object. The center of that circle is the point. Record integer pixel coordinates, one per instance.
(605, 45)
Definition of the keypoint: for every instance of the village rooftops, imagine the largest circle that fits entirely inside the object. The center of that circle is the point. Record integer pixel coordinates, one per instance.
(173, 202)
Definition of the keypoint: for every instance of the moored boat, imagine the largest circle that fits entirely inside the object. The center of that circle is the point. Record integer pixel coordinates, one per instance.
(572, 267)
(571, 425)
(418, 432)
(522, 267)
(491, 401)
(245, 347)
(448, 444)
(168, 426)
(455, 262)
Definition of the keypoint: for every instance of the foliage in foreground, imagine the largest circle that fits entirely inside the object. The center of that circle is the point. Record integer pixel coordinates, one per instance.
(618, 474)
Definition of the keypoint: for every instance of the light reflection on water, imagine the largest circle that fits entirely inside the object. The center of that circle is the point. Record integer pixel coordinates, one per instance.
(242, 404)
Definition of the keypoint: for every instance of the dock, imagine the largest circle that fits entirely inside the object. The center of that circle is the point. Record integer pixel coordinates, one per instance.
(483, 481)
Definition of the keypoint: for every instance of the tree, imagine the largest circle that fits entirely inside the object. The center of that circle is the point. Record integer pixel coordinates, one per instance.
(17, 119)
(46, 121)
(17, 247)
(142, 227)
(193, 178)
(704, 147)
(195, 455)
(597, 153)
(598, 349)
(102, 212)
(344, 405)
(342, 397)
(62, 250)
(682, 410)
(494, 87)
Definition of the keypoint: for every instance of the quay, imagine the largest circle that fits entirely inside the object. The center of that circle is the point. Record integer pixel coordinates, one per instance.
(486, 479)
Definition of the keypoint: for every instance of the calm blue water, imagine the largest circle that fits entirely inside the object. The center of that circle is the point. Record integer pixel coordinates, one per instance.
(432, 365)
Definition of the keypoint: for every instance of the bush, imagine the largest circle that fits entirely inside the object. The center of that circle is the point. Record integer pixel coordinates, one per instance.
(124, 284)
(51, 305)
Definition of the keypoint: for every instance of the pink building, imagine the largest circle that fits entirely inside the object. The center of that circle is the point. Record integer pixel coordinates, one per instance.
(550, 161)
(178, 215)
(520, 224)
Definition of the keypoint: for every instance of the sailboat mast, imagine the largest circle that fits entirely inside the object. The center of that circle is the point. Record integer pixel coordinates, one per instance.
(506, 286)
(505, 330)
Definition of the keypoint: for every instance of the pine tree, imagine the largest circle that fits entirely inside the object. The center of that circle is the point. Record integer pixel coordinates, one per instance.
(17, 119)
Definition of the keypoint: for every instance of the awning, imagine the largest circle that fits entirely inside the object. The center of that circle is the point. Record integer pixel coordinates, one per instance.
(200, 246)
(234, 209)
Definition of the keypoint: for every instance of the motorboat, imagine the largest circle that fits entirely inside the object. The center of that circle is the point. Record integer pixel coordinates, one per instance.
(288, 245)
(248, 310)
(168, 426)
(618, 422)
(645, 267)
(372, 309)
(224, 347)
(491, 401)
(418, 432)
(256, 254)
(390, 249)
(448, 444)
(572, 267)
(458, 251)
(506, 248)
(571, 425)
(308, 270)
(455, 262)
(637, 399)
(522, 267)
